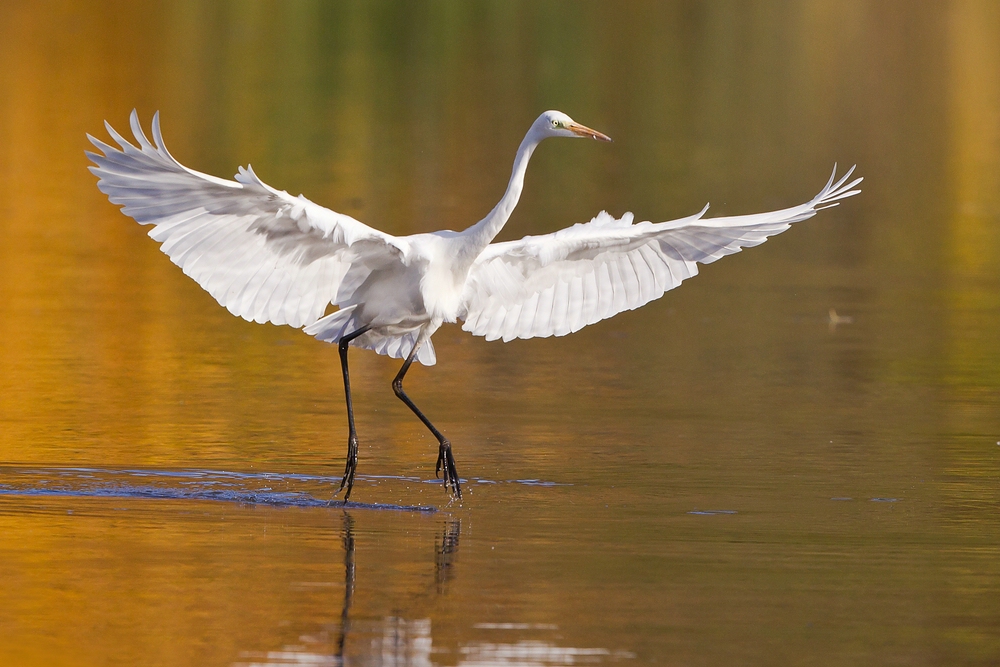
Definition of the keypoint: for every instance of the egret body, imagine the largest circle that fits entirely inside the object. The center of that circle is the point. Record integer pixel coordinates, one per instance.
(270, 257)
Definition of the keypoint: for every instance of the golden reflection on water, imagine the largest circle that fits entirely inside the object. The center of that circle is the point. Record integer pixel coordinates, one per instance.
(718, 478)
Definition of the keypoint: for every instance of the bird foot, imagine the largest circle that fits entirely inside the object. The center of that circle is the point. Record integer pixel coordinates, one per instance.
(350, 468)
(446, 462)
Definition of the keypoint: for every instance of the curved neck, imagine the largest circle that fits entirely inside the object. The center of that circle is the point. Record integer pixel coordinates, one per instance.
(484, 231)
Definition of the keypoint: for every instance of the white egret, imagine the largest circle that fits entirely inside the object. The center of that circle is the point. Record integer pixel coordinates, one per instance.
(270, 257)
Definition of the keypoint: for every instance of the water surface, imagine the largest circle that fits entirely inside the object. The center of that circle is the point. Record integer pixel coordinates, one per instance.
(733, 474)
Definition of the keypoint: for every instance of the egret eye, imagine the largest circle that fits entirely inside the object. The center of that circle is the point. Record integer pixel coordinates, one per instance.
(556, 123)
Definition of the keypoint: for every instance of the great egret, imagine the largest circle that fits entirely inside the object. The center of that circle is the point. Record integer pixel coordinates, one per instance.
(270, 257)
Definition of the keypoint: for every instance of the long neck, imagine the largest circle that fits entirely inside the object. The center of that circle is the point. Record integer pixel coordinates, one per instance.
(484, 231)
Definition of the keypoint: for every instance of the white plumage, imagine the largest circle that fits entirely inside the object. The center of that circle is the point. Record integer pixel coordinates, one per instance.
(270, 257)
(558, 283)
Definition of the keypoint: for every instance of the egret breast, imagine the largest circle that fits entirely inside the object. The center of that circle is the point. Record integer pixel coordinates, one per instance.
(441, 289)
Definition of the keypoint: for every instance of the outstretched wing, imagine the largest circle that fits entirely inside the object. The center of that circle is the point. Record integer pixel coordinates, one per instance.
(263, 254)
(558, 283)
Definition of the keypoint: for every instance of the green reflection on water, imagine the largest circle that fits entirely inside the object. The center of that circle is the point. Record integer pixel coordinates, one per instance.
(732, 393)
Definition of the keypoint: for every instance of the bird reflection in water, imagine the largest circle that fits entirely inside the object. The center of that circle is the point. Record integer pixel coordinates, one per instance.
(446, 553)
(403, 641)
(348, 539)
(391, 640)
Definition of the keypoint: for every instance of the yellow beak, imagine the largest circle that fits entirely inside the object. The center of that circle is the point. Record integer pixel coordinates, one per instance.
(586, 132)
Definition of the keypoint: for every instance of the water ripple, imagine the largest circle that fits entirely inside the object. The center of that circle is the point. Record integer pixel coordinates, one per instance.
(218, 485)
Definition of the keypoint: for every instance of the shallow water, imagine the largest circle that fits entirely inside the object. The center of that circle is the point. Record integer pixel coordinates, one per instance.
(792, 459)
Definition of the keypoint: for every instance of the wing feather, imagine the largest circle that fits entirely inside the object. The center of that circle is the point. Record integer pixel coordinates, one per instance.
(544, 314)
(560, 300)
(263, 254)
(557, 283)
(574, 303)
(591, 294)
(529, 311)
(605, 291)
(617, 287)
(510, 322)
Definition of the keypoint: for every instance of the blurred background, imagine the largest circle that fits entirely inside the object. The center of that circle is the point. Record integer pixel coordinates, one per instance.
(792, 459)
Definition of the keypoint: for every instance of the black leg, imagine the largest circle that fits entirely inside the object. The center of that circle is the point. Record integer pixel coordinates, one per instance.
(352, 438)
(445, 459)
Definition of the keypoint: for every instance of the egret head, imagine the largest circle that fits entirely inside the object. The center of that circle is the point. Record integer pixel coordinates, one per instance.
(558, 124)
